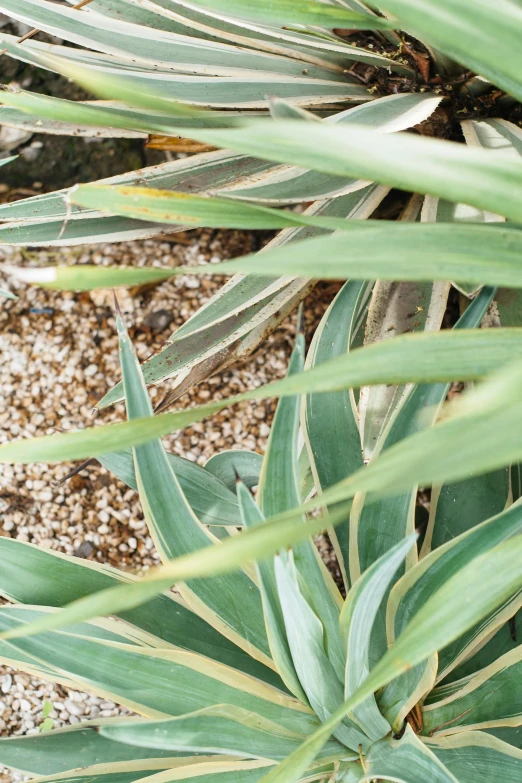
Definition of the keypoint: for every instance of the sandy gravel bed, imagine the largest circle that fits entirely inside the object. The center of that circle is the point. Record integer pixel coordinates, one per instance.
(59, 354)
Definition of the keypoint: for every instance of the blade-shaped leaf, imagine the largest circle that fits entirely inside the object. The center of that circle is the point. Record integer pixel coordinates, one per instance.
(358, 616)
(406, 760)
(411, 592)
(232, 603)
(376, 525)
(165, 206)
(475, 753)
(330, 421)
(305, 634)
(61, 749)
(279, 491)
(32, 575)
(482, 178)
(154, 682)
(219, 729)
(295, 12)
(87, 118)
(483, 254)
(479, 254)
(149, 48)
(429, 358)
(493, 697)
(274, 621)
(210, 499)
(438, 623)
(166, 91)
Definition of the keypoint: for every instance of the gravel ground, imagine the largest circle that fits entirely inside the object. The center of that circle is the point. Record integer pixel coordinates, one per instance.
(59, 355)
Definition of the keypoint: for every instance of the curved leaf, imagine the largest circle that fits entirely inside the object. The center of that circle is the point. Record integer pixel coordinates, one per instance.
(330, 421)
(357, 619)
(406, 760)
(305, 632)
(219, 729)
(210, 499)
(228, 465)
(493, 697)
(230, 603)
(61, 749)
(156, 683)
(411, 593)
(426, 358)
(279, 491)
(274, 620)
(474, 753)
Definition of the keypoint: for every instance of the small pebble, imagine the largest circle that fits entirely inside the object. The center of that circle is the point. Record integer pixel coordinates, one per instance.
(7, 681)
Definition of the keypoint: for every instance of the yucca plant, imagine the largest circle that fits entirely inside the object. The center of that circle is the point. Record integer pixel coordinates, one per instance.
(266, 672)
(262, 669)
(274, 82)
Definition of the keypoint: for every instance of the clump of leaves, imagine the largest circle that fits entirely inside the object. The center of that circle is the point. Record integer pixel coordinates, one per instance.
(258, 668)
(266, 672)
(307, 101)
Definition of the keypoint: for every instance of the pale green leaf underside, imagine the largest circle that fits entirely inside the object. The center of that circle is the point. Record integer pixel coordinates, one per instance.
(482, 254)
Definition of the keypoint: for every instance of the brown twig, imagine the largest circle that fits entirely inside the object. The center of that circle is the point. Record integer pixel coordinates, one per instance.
(90, 461)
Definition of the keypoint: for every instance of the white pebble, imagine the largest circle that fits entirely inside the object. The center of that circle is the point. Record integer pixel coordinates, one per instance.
(6, 683)
(72, 708)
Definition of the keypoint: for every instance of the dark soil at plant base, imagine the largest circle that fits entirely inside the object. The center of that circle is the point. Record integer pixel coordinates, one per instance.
(62, 161)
